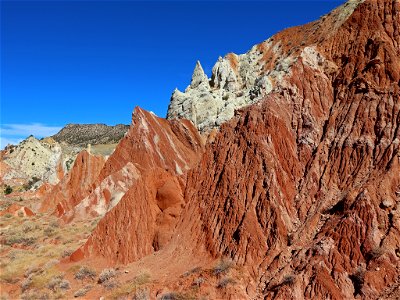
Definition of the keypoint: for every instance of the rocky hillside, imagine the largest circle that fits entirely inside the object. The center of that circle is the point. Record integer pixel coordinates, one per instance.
(48, 159)
(84, 134)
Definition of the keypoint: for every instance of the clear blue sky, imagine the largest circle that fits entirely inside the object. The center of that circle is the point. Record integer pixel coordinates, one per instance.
(94, 61)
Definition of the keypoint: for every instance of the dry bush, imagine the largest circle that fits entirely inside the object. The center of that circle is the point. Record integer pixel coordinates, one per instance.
(198, 281)
(132, 287)
(223, 283)
(192, 271)
(177, 296)
(58, 282)
(35, 295)
(85, 272)
(106, 275)
(83, 291)
(223, 266)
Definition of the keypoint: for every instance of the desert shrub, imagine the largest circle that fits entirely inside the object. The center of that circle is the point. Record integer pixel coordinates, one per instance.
(8, 190)
(110, 284)
(23, 240)
(54, 224)
(67, 252)
(26, 283)
(106, 275)
(35, 295)
(198, 281)
(141, 294)
(171, 296)
(8, 277)
(83, 291)
(224, 282)
(13, 254)
(131, 287)
(57, 283)
(32, 270)
(29, 226)
(223, 266)
(31, 182)
(49, 231)
(8, 215)
(192, 271)
(177, 296)
(85, 272)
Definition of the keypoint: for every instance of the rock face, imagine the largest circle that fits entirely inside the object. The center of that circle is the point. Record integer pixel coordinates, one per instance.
(33, 158)
(72, 188)
(302, 189)
(147, 171)
(84, 134)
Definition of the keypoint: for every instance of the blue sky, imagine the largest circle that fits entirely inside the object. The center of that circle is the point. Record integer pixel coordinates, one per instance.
(94, 61)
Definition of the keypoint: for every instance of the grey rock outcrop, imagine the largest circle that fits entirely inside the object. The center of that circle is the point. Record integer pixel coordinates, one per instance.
(236, 81)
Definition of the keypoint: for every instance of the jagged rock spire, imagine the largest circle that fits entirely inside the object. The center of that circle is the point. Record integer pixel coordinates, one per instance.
(198, 76)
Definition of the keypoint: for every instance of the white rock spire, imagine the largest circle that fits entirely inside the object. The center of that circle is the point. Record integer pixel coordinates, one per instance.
(198, 76)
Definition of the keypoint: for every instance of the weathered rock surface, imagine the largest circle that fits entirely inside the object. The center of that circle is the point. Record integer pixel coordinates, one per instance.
(73, 187)
(33, 158)
(302, 189)
(154, 156)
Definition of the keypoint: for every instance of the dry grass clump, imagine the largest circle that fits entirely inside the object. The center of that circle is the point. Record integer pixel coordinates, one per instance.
(83, 291)
(36, 295)
(134, 286)
(85, 273)
(177, 296)
(106, 275)
(58, 283)
(223, 266)
(224, 282)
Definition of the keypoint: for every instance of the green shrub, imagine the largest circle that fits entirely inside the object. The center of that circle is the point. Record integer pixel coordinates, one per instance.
(8, 190)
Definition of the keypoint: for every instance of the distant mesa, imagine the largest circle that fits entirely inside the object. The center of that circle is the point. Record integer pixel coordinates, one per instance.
(83, 134)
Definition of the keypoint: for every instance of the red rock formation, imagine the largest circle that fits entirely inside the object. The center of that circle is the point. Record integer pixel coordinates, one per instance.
(151, 142)
(73, 187)
(159, 152)
(303, 188)
(18, 211)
